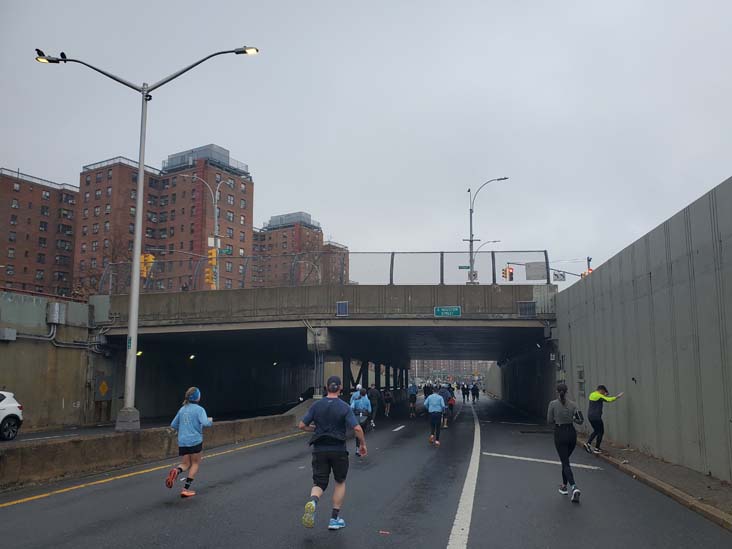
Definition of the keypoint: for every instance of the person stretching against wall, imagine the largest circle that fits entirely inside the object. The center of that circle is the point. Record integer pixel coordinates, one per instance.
(594, 415)
(189, 422)
(562, 413)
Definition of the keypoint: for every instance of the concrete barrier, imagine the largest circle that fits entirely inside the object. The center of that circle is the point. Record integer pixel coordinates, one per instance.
(36, 462)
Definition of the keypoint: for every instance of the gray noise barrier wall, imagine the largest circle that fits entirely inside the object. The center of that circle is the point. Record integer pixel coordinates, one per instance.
(655, 321)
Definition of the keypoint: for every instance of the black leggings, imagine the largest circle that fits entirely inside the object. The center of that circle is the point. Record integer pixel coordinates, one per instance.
(598, 429)
(565, 441)
(435, 424)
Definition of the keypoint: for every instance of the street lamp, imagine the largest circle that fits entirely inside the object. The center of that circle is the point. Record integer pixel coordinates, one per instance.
(215, 202)
(128, 418)
(471, 272)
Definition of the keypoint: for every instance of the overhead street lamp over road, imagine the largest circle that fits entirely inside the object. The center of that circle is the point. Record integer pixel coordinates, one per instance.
(472, 275)
(128, 418)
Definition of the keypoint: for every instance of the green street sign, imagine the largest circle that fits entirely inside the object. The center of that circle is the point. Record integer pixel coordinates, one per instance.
(450, 311)
(464, 267)
(224, 251)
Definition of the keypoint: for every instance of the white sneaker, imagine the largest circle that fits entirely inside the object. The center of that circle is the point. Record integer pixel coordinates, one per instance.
(576, 493)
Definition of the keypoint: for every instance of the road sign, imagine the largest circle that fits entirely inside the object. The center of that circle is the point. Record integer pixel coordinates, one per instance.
(559, 277)
(451, 310)
(464, 267)
(536, 270)
(225, 251)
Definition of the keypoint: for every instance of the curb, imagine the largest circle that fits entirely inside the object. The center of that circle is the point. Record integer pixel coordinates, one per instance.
(690, 502)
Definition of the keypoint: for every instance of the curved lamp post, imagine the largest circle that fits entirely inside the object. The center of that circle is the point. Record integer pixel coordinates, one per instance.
(471, 272)
(128, 418)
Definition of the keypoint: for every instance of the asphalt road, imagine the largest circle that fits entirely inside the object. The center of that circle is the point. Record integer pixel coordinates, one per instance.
(406, 493)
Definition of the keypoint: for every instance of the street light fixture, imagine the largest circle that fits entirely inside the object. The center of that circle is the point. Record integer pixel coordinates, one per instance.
(128, 418)
(471, 273)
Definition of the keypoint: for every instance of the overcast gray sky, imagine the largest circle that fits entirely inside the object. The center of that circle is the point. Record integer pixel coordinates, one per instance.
(376, 117)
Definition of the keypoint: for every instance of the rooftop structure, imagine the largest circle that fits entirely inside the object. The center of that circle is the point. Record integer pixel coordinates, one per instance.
(214, 154)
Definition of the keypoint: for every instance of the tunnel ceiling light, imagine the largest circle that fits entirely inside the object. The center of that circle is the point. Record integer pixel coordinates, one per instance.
(191, 357)
(274, 364)
(139, 353)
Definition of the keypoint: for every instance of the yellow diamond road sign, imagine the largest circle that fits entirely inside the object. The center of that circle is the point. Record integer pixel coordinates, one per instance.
(103, 388)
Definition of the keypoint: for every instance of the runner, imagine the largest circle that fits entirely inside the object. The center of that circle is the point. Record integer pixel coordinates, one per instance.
(562, 413)
(356, 394)
(388, 399)
(374, 397)
(444, 392)
(435, 406)
(594, 415)
(189, 422)
(413, 389)
(427, 390)
(466, 392)
(475, 392)
(361, 407)
(331, 417)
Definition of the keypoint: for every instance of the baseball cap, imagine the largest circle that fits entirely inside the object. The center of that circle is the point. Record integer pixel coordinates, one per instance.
(333, 383)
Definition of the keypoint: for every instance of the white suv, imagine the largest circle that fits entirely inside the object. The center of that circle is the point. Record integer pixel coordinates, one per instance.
(11, 416)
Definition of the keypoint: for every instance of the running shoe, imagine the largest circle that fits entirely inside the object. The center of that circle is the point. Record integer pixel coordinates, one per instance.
(187, 493)
(172, 475)
(373, 425)
(597, 451)
(336, 524)
(308, 518)
(588, 448)
(575, 494)
(437, 443)
(563, 490)
(432, 438)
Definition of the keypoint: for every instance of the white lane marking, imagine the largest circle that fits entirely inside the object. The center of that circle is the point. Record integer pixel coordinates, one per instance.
(461, 526)
(43, 438)
(398, 428)
(521, 458)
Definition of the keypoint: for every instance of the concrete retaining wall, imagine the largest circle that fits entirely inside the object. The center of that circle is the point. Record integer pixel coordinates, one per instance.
(55, 459)
(529, 382)
(654, 321)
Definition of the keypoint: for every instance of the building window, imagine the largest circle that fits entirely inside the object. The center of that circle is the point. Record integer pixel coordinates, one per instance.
(242, 219)
(108, 209)
(43, 226)
(241, 269)
(95, 245)
(14, 203)
(98, 177)
(172, 215)
(172, 231)
(163, 201)
(242, 236)
(42, 242)
(172, 197)
(40, 274)
(284, 245)
(193, 211)
(218, 178)
(193, 227)
(190, 246)
(229, 215)
(132, 228)
(93, 262)
(87, 179)
(97, 209)
(229, 232)
(109, 191)
(193, 194)
(230, 199)
(229, 266)
(13, 219)
(133, 194)
(133, 211)
(106, 226)
(229, 249)
(11, 252)
(86, 197)
(150, 233)
(97, 194)
(41, 258)
(243, 187)
(241, 252)
(85, 213)
(84, 230)
(16, 187)
(130, 245)
(10, 270)
(82, 265)
(95, 228)
(105, 262)
(227, 284)
(163, 233)
(230, 183)
(106, 243)
(242, 202)
(83, 247)
(109, 174)
(45, 195)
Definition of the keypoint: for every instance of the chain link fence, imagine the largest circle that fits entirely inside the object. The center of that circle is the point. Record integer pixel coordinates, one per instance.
(193, 273)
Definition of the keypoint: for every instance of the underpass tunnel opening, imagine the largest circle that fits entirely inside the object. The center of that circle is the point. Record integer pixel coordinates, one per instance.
(525, 374)
(240, 374)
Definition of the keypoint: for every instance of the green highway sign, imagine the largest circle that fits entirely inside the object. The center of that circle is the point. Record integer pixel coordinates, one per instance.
(464, 267)
(452, 310)
(225, 251)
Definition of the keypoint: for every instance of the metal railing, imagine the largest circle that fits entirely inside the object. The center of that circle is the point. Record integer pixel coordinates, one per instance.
(186, 271)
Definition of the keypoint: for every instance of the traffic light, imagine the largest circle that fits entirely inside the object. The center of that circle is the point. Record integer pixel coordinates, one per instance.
(146, 264)
(510, 274)
(212, 256)
(504, 273)
(209, 276)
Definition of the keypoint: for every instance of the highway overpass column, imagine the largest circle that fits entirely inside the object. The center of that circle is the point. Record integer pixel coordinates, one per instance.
(377, 374)
(387, 376)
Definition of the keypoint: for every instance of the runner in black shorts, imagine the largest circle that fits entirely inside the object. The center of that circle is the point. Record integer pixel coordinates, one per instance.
(331, 417)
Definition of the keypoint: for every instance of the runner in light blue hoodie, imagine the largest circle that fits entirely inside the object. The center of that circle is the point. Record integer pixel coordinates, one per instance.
(189, 422)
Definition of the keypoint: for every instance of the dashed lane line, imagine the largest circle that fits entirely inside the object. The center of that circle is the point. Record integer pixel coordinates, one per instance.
(398, 428)
(521, 458)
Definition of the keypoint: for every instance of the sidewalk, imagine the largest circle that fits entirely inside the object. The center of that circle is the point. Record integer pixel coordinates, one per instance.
(704, 494)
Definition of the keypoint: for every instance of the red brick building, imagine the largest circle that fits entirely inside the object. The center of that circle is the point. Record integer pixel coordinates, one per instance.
(289, 250)
(179, 220)
(37, 221)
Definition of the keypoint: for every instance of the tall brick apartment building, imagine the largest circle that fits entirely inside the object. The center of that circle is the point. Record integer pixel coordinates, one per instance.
(179, 219)
(37, 223)
(289, 250)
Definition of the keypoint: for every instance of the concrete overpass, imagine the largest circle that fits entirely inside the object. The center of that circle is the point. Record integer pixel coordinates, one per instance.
(301, 329)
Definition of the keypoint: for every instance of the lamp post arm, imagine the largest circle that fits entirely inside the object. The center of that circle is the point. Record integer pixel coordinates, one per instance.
(105, 73)
(472, 202)
(186, 69)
